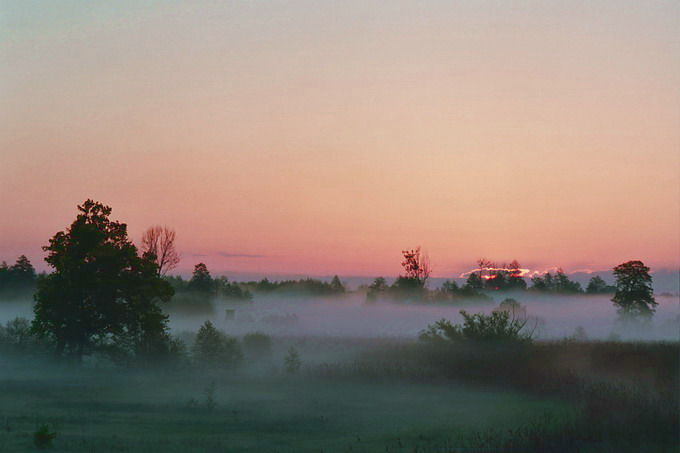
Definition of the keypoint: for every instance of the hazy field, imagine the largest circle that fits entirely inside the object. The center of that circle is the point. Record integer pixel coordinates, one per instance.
(367, 384)
(146, 411)
(351, 316)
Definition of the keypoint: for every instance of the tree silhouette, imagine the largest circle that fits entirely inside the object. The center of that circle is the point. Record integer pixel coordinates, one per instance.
(213, 348)
(20, 275)
(634, 295)
(597, 285)
(515, 279)
(100, 287)
(378, 286)
(416, 264)
(159, 241)
(23, 271)
(292, 362)
(201, 281)
(337, 286)
(474, 282)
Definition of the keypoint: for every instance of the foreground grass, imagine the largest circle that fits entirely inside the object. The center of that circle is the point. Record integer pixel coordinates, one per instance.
(105, 410)
(376, 396)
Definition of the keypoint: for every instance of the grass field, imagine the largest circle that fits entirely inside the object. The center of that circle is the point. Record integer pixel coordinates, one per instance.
(358, 394)
(111, 410)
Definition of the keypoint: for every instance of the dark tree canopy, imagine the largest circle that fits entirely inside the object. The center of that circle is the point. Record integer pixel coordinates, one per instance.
(337, 285)
(23, 271)
(100, 288)
(378, 286)
(597, 285)
(558, 283)
(201, 281)
(634, 295)
(474, 282)
(213, 348)
(20, 275)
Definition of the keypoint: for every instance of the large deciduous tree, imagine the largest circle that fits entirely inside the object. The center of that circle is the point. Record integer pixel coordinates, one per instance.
(100, 289)
(634, 295)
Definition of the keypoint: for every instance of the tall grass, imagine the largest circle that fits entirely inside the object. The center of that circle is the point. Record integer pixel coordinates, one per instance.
(626, 394)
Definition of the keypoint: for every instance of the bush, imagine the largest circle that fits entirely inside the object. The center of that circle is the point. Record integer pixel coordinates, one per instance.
(257, 343)
(210, 400)
(17, 337)
(142, 349)
(292, 362)
(213, 348)
(43, 437)
(499, 326)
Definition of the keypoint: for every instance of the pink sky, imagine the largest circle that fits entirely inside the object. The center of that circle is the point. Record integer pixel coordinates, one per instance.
(320, 138)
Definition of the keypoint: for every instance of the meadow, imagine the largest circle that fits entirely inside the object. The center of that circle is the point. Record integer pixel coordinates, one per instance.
(357, 394)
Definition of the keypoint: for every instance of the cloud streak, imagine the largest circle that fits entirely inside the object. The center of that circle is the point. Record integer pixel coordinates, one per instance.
(240, 255)
(230, 255)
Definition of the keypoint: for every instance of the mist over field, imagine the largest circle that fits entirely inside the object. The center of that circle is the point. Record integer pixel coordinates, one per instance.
(351, 316)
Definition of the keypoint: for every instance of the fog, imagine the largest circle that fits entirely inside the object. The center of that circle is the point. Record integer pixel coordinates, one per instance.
(349, 316)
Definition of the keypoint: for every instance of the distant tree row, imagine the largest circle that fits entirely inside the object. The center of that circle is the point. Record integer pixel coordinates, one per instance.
(203, 284)
(633, 293)
(103, 294)
(307, 286)
(19, 276)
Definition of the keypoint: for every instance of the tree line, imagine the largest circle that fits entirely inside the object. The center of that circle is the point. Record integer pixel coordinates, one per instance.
(104, 292)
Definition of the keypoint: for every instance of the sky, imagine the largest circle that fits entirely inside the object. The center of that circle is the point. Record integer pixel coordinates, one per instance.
(325, 137)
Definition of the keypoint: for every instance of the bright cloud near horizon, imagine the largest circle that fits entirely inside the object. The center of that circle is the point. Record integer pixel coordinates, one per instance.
(325, 137)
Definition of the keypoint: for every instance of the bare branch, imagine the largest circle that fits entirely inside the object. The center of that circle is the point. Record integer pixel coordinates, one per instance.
(159, 241)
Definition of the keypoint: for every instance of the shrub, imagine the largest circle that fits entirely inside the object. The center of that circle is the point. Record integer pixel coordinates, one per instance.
(17, 337)
(292, 362)
(498, 326)
(579, 334)
(43, 437)
(257, 343)
(213, 348)
(210, 401)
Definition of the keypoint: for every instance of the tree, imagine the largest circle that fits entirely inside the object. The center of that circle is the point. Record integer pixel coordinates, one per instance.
(543, 284)
(512, 306)
(159, 241)
(474, 282)
(100, 288)
(417, 265)
(497, 280)
(597, 285)
(564, 285)
(201, 281)
(337, 286)
(515, 278)
(5, 276)
(23, 272)
(483, 265)
(292, 362)
(634, 295)
(213, 348)
(378, 286)
(221, 286)
(21, 275)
